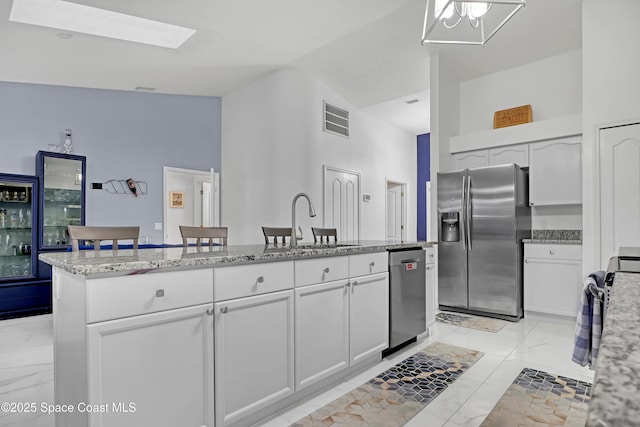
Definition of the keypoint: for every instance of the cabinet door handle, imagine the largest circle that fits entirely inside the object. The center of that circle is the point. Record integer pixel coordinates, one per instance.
(160, 293)
(224, 310)
(260, 279)
(210, 312)
(354, 283)
(551, 252)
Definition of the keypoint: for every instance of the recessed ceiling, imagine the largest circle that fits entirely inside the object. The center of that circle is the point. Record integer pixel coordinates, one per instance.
(367, 50)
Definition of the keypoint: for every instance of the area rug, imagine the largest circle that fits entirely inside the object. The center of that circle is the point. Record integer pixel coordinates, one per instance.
(469, 321)
(538, 398)
(399, 393)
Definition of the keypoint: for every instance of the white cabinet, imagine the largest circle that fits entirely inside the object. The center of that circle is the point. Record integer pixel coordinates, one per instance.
(555, 173)
(518, 154)
(152, 370)
(470, 159)
(431, 302)
(254, 355)
(322, 331)
(619, 189)
(552, 278)
(368, 316)
(340, 323)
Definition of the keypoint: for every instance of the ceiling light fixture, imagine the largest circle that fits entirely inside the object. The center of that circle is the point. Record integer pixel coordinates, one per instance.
(470, 22)
(79, 18)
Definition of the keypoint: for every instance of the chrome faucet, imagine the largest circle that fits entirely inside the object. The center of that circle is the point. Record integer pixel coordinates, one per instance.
(312, 213)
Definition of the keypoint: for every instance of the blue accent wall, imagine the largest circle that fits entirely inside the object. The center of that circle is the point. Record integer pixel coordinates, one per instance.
(424, 175)
(123, 135)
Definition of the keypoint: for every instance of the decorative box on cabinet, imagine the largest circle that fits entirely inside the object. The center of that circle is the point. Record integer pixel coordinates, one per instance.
(555, 173)
(552, 278)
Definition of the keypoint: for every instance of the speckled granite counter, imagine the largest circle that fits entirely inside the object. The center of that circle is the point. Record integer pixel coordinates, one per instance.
(563, 237)
(123, 262)
(615, 399)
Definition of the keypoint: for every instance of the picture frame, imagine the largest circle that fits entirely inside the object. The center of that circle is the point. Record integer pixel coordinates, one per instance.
(176, 199)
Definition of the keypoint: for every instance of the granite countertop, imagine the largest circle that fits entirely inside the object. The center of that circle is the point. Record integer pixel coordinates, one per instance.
(615, 397)
(564, 237)
(128, 261)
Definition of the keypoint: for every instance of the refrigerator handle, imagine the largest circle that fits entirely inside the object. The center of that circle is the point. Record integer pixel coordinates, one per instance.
(463, 219)
(468, 212)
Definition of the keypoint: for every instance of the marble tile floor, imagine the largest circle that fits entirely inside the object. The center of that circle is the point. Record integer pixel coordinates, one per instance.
(537, 342)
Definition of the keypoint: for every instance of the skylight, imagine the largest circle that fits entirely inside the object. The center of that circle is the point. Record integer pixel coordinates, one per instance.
(100, 22)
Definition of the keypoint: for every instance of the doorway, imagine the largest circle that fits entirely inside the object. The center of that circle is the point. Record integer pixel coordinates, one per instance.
(342, 202)
(396, 210)
(200, 206)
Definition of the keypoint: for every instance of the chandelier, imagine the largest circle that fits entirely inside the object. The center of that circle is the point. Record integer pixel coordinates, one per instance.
(471, 22)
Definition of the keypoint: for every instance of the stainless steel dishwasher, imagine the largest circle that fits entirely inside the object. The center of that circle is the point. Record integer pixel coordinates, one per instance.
(407, 295)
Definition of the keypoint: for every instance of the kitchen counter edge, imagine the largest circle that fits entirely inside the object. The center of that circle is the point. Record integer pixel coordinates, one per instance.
(126, 262)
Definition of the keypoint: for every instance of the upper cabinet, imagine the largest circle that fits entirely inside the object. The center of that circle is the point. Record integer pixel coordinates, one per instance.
(470, 159)
(518, 154)
(62, 196)
(555, 173)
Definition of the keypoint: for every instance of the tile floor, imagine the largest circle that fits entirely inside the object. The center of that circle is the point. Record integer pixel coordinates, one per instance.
(537, 342)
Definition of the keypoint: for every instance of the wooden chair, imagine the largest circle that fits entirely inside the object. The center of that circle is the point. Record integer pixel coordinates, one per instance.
(276, 232)
(320, 233)
(97, 234)
(203, 233)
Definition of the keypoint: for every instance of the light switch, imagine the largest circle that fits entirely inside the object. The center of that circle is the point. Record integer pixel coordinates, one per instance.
(158, 226)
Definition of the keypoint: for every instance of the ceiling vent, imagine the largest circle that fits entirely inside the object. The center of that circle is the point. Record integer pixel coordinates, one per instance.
(336, 120)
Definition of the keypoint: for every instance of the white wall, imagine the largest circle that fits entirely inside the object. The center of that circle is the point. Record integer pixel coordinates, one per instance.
(538, 83)
(273, 147)
(611, 66)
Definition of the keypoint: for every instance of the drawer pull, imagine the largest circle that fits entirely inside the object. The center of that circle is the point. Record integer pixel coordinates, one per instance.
(224, 310)
(160, 293)
(354, 283)
(210, 312)
(261, 279)
(372, 264)
(551, 251)
(326, 270)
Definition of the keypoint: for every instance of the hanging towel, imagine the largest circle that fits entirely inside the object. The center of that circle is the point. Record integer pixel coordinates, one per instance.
(589, 321)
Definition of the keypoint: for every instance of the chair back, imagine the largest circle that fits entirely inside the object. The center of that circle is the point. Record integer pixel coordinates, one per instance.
(97, 234)
(324, 233)
(203, 233)
(276, 232)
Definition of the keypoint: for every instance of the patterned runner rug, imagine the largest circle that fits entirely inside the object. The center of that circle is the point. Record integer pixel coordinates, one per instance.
(469, 321)
(538, 398)
(399, 393)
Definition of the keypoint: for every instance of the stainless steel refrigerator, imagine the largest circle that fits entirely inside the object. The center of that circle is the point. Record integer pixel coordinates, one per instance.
(483, 216)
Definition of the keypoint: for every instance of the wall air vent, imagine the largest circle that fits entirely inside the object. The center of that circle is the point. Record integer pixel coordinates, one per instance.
(336, 120)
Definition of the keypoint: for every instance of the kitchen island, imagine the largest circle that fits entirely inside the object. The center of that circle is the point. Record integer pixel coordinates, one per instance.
(615, 397)
(205, 336)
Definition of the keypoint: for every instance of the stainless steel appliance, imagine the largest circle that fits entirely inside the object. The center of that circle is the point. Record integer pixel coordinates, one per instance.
(407, 294)
(483, 216)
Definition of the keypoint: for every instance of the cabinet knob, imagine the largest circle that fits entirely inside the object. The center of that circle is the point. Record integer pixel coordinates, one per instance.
(210, 312)
(260, 279)
(160, 293)
(354, 283)
(326, 270)
(551, 251)
(224, 310)
(526, 261)
(428, 268)
(372, 264)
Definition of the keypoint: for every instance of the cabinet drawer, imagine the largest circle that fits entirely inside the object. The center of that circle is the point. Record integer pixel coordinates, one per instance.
(117, 297)
(321, 270)
(254, 279)
(362, 264)
(551, 251)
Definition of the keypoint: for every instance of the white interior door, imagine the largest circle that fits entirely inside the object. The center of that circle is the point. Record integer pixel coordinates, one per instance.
(342, 202)
(395, 211)
(619, 189)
